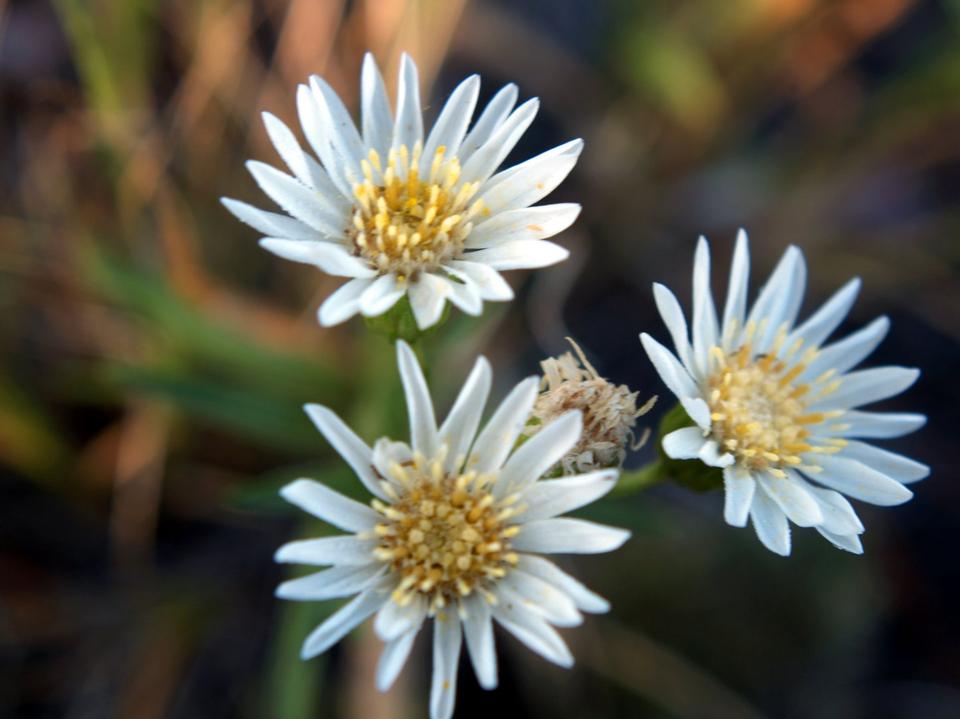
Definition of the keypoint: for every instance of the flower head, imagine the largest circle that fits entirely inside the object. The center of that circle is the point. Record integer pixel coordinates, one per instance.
(404, 214)
(609, 411)
(777, 408)
(452, 533)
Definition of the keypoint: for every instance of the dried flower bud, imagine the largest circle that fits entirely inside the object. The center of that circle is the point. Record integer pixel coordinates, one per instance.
(609, 412)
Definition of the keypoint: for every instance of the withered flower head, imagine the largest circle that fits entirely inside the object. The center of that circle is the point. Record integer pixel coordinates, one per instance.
(609, 412)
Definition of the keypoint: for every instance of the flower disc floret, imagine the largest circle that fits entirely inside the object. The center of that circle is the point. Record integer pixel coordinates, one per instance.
(404, 223)
(759, 410)
(445, 535)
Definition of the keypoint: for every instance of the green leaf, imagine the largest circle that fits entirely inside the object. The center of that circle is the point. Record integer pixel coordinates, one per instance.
(203, 342)
(278, 424)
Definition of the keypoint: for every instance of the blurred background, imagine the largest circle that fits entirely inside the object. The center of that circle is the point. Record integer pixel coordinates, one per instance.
(153, 360)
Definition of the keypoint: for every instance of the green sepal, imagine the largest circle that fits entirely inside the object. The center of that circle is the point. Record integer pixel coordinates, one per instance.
(398, 323)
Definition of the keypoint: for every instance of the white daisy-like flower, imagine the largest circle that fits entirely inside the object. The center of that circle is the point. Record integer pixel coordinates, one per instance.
(452, 533)
(777, 408)
(403, 214)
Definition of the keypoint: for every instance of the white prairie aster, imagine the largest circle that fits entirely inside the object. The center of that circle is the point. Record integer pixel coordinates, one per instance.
(451, 533)
(400, 214)
(777, 409)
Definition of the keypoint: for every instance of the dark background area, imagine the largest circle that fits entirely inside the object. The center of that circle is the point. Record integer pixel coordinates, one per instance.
(154, 359)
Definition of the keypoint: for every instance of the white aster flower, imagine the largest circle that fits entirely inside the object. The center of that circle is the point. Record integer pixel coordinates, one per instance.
(401, 214)
(452, 533)
(777, 409)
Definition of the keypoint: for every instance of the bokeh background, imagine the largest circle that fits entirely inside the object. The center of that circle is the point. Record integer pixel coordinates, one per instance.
(153, 360)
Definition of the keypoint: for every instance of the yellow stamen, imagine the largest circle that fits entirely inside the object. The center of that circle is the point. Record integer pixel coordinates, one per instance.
(446, 535)
(403, 223)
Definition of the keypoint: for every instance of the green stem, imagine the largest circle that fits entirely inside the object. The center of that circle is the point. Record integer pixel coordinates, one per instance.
(295, 686)
(633, 481)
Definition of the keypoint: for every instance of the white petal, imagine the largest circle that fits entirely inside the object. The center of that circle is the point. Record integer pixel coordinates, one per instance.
(427, 295)
(785, 304)
(460, 427)
(447, 639)
(328, 256)
(867, 386)
(488, 157)
(478, 631)
(392, 659)
(409, 123)
(451, 124)
(792, 498)
(770, 524)
(551, 497)
(531, 629)
(779, 295)
(342, 131)
(739, 487)
(271, 223)
(490, 119)
(546, 570)
(793, 298)
(672, 315)
(381, 295)
(333, 583)
(393, 620)
(859, 481)
(684, 443)
(529, 182)
(711, 455)
(342, 304)
(540, 597)
(531, 223)
(877, 425)
(571, 148)
(540, 453)
(341, 551)
(698, 411)
(300, 201)
(501, 431)
(304, 167)
(315, 128)
(838, 516)
(465, 295)
(386, 452)
(519, 255)
(423, 423)
(848, 352)
(354, 450)
(376, 118)
(341, 622)
(332, 507)
(673, 374)
(704, 328)
(849, 542)
(568, 536)
(488, 281)
(734, 311)
(825, 320)
(894, 465)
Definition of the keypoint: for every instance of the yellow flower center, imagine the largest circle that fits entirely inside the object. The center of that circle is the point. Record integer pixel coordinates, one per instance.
(759, 409)
(404, 223)
(447, 536)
